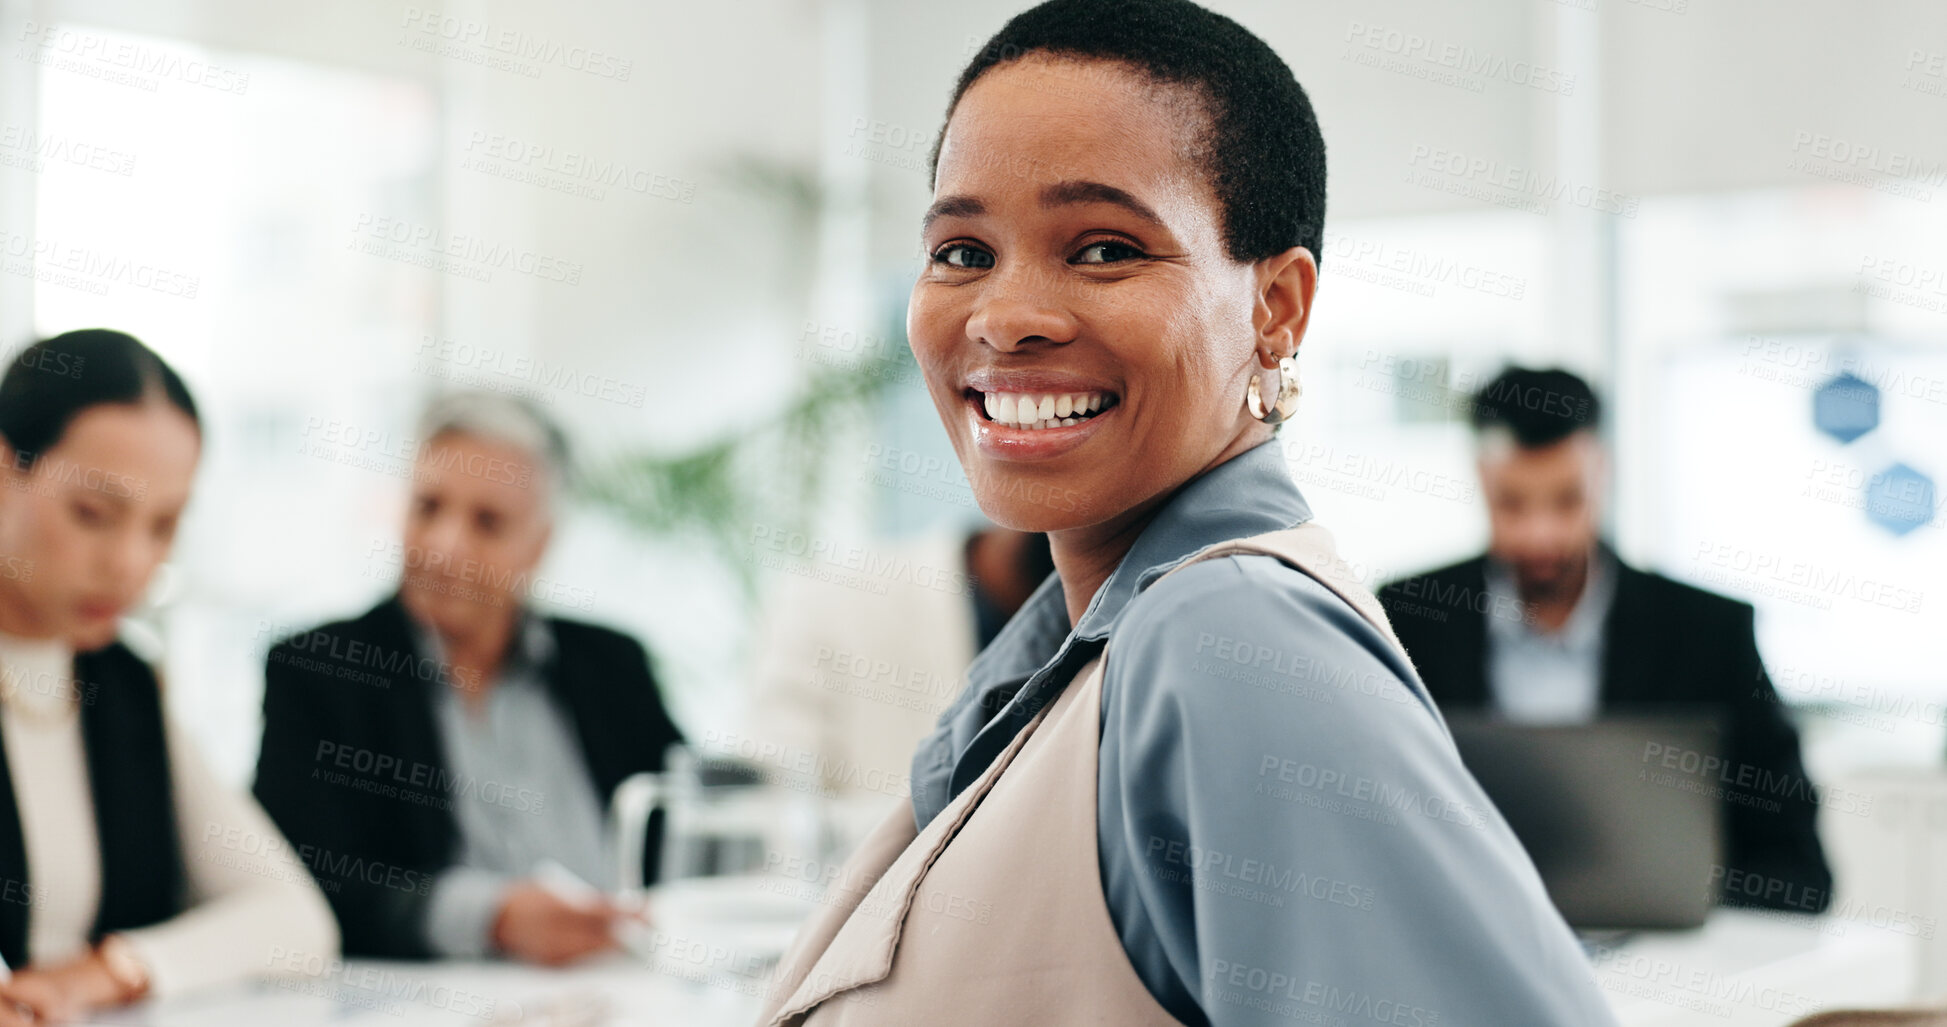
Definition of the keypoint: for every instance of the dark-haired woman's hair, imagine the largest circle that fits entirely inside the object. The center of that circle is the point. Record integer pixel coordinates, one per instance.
(1261, 150)
(49, 384)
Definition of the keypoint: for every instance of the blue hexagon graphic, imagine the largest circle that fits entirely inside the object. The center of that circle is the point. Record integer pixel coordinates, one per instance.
(1846, 407)
(1900, 499)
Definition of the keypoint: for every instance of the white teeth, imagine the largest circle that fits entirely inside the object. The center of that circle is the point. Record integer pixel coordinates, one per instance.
(1033, 411)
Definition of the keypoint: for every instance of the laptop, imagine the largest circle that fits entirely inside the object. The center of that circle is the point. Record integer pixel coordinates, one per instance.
(1622, 815)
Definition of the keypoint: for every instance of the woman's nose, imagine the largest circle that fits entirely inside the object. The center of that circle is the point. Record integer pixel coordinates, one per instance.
(132, 559)
(1019, 307)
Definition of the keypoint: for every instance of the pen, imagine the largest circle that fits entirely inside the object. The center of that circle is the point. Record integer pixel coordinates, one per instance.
(569, 886)
(566, 885)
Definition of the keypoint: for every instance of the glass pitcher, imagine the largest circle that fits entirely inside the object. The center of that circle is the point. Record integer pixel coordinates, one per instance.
(720, 819)
(738, 863)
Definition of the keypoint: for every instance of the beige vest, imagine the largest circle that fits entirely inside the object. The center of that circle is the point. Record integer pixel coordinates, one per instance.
(994, 913)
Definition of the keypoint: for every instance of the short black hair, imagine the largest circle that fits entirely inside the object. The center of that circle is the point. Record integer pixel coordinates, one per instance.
(1540, 408)
(50, 383)
(1262, 150)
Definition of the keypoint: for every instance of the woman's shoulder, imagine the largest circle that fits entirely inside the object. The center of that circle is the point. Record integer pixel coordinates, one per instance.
(1239, 589)
(1260, 629)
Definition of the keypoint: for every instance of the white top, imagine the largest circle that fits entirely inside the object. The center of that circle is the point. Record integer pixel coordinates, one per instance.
(250, 899)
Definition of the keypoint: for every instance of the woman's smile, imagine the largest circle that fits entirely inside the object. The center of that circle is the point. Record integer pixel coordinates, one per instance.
(1035, 415)
(1041, 411)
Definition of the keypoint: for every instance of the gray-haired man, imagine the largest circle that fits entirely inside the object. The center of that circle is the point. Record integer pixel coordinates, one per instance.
(428, 757)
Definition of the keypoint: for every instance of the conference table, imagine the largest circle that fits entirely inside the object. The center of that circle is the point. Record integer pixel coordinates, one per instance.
(1756, 969)
(1740, 968)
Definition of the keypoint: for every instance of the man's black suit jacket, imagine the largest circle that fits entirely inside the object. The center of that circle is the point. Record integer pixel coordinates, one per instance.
(1665, 644)
(353, 771)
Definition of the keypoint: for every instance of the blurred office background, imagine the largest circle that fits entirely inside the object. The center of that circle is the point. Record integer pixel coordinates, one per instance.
(687, 230)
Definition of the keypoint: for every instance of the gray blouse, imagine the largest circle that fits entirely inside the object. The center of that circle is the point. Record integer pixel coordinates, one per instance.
(1286, 832)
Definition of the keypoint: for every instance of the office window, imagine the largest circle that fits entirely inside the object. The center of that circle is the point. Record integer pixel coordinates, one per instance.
(215, 221)
(1783, 404)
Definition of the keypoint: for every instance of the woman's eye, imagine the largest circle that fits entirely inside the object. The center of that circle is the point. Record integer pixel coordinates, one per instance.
(962, 255)
(1106, 253)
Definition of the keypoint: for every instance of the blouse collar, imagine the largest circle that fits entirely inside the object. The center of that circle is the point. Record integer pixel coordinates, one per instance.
(1249, 494)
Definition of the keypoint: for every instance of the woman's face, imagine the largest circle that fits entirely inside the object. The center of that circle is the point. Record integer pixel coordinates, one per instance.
(1082, 331)
(83, 530)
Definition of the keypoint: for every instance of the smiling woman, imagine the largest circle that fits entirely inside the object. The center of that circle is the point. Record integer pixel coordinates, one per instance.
(1195, 779)
(1131, 256)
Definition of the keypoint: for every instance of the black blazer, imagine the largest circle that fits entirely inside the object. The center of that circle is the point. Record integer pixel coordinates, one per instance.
(122, 729)
(353, 770)
(1665, 644)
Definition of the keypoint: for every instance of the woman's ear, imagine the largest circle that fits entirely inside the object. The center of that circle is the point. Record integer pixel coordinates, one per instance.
(1285, 284)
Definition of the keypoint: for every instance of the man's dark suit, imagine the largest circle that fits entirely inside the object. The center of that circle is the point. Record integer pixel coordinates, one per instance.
(1664, 644)
(353, 770)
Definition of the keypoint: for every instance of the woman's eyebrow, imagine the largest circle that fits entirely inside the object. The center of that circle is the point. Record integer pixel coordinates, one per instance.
(952, 207)
(1065, 193)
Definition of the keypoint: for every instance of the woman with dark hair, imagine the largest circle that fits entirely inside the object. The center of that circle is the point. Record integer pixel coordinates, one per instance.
(126, 869)
(1195, 779)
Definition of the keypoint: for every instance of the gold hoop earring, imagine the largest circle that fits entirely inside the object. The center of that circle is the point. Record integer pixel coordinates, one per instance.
(1288, 390)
